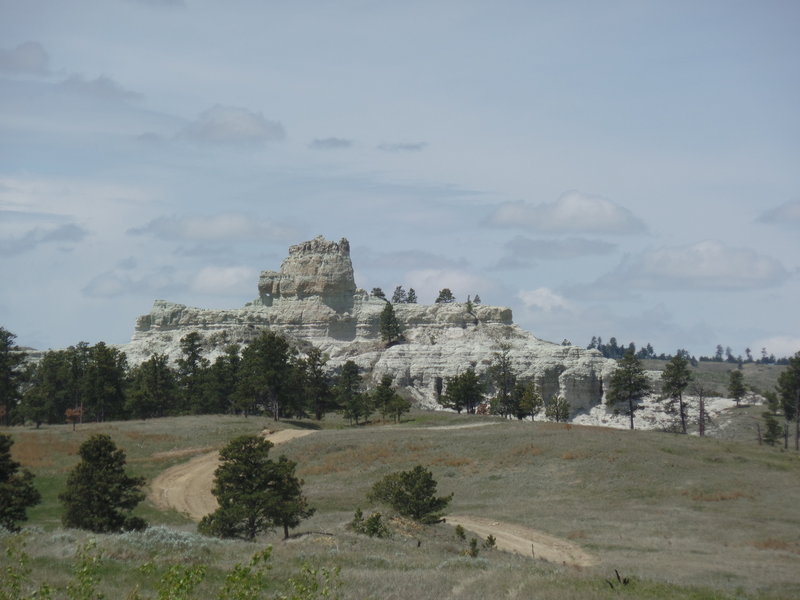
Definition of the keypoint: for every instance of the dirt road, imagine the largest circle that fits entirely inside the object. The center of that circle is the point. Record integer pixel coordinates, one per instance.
(186, 488)
(525, 541)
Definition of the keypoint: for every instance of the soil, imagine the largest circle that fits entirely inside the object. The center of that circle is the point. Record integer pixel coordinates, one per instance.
(525, 541)
(186, 487)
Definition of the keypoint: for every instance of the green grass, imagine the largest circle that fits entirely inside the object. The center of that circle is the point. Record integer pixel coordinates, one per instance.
(683, 517)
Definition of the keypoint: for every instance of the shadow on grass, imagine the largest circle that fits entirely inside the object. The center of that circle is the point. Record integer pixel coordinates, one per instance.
(303, 424)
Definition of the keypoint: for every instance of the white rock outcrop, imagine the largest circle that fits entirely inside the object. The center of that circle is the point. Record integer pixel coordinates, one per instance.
(313, 300)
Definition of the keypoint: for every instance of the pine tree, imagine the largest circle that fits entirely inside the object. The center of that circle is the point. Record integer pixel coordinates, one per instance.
(399, 296)
(736, 388)
(100, 495)
(265, 374)
(413, 494)
(675, 379)
(255, 494)
(11, 374)
(445, 296)
(628, 383)
(789, 389)
(463, 392)
(557, 409)
(412, 296)
(17, 493)
(390, 327)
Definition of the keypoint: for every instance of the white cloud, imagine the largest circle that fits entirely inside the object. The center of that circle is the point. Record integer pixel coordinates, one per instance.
(228, 227)
(522, 251)
(224, 280)
(779, 345)
(232, 125)
(28, 57)
(120, 282)
(103, 88)
(428, 282)
(544, 299)
(573, 212)
(707, 265)
(787, 214)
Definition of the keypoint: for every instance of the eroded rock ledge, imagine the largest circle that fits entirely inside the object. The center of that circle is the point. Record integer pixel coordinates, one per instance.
(313, 300)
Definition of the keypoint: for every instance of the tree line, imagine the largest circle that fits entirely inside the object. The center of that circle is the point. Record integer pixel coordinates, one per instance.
(612, 349)
(96, 383)
(629, 385)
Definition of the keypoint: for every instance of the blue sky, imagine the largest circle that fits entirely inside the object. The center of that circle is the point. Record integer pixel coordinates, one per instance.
(620, 168)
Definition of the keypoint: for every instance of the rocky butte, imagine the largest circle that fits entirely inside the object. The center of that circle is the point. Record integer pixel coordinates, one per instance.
(313, 300)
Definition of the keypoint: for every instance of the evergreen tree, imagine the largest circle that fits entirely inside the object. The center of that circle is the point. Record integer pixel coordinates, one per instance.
(527, 401)
(399, 296)
(736, 388)
(463, 392)
(675, 379)
(412, 296)
(378, 293)
(152, 388)
(255, 494)
(103, 389)
(412, 494)
(48, 395)
(557, 409)
(503, 378)
(17, 492)
(318, 390)
(476, 299)
(192, 369)
(390, 327)
(265, 373)
(445, 296)
(11, 374)
(388, 401)
(347, 390)
(789, 390)
(99, 494)
(221, 381)
(629, 384)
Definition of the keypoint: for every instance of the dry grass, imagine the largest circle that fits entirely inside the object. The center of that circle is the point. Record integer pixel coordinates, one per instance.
(675, 513)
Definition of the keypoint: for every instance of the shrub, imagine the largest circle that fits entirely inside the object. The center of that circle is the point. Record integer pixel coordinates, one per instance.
(412, 494)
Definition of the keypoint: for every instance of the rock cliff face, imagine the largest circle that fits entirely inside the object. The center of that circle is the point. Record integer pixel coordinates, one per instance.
(313, 300)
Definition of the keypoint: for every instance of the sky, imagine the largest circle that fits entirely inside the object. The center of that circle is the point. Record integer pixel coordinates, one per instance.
(618, 168)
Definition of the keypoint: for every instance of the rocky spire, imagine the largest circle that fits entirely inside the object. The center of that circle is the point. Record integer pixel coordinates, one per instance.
(313, 268)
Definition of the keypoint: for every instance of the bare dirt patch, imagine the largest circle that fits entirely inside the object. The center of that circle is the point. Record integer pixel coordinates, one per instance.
(186, 487)
(526, 541)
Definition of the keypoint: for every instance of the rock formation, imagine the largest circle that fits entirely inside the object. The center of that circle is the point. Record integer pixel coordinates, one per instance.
(313, 300)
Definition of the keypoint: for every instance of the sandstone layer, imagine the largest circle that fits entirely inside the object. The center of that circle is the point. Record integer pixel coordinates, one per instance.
(313, 300)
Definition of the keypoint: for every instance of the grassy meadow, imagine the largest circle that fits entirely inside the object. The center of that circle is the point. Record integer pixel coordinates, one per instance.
(683, 517)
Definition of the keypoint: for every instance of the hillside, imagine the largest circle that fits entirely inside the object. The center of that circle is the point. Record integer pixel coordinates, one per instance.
(681, 515)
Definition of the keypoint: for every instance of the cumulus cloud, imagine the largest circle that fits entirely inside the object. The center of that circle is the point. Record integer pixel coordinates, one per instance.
(404, 259)
(123, 281)
(707, 265)
(573, 212)
(232, 125)
(63, 234)
(224, 281)
(544, 299)
(403, 147)
(779, 345)
(226, 227)
(331, 143)
(787, 215)
(522, 251)
(103, 88)
(28, 57)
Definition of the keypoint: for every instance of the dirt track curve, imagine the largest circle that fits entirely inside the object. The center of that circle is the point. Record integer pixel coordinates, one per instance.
(525, 541)
(186, 488)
